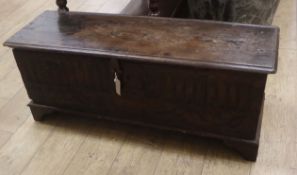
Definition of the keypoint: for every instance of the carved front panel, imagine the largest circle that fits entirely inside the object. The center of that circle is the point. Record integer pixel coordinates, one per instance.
(191, 99)
(66, 80)
(199, 99)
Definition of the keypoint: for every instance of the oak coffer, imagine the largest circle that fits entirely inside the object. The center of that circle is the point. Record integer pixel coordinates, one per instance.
(200, 77)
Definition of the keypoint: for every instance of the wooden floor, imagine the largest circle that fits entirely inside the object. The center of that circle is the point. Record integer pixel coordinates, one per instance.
(62, 145)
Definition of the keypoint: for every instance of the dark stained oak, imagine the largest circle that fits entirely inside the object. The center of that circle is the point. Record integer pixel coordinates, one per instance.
(187, 42)
(199, 77)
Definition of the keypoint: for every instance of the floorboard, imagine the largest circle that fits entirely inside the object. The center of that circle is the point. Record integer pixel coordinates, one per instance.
(15, 112)
(22, 146)
(4, 137)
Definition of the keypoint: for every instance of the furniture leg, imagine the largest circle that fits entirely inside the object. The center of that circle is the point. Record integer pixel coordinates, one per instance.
(248, 150)
(39, 112)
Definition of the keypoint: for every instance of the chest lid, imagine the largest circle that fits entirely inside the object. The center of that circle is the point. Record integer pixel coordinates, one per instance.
(196, 43)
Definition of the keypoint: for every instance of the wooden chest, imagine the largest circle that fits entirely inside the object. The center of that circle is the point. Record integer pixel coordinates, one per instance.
(199, 77)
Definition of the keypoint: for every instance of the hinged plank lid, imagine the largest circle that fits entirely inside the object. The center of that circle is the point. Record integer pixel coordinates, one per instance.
(205, 44)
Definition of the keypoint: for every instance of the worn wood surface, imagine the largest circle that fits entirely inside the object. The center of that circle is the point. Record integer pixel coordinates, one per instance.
(278, 144)
(197, 43)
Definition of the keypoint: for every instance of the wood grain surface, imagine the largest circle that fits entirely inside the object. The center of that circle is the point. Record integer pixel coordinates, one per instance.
(277, 155)
(186, 42)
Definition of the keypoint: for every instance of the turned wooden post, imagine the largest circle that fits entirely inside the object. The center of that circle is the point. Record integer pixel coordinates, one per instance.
(62, 4)
(242, 11)
(154, 8)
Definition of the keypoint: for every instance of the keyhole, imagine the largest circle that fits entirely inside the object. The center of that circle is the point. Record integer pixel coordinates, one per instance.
(117, 83)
